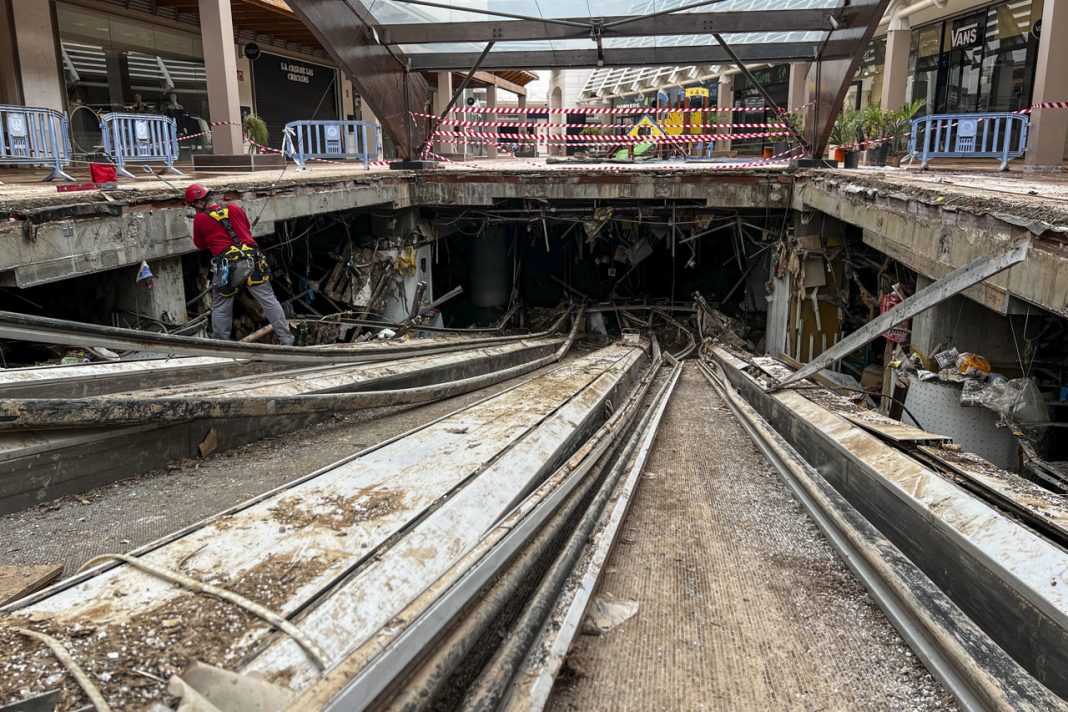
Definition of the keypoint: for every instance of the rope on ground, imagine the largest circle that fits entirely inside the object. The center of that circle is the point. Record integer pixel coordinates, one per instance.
(315, 652)
(63, 655)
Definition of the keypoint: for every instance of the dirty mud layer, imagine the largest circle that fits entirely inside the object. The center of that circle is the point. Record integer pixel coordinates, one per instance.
(130, 661)
(743, 605)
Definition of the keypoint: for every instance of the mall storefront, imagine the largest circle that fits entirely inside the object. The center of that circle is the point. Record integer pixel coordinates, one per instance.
(117, 63)
(980, 61)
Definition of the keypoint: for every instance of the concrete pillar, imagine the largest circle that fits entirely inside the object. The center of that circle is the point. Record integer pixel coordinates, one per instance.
(968, 326)
(38, 55)
(796, 91)
(896, 65)
(1045, 149)
(441, 100)
(491, 102)
(724, 97)
(400, 293)
(162, 297)
(220, 62)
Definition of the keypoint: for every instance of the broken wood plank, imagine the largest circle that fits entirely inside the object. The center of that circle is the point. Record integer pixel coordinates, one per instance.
(20, 581)
(896, 432)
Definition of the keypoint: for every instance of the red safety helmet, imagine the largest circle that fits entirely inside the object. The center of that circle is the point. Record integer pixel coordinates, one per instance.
(196, 192)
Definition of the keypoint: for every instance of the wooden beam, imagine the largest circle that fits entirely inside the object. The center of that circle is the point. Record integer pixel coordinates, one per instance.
(491, 78)
(20, 581)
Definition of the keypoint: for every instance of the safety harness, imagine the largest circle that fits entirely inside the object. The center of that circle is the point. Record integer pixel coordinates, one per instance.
(238, 264)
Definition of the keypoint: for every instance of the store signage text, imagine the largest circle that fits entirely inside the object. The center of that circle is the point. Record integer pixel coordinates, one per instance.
(297, 72)
(965, 36)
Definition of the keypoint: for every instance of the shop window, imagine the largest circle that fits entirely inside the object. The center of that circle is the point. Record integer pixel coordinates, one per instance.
(118, 64)
(979, 62)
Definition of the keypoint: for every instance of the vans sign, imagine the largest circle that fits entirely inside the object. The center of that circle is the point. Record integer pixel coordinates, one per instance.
(965, 36)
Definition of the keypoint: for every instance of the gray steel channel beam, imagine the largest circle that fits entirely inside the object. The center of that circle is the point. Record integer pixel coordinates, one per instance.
(374, 670)
(549, 653)
(1000, 574)
(103, 377)
(123, 410)
(41, 465)
(57, 331)
(953, 283)
(962, 657)
(82, 576)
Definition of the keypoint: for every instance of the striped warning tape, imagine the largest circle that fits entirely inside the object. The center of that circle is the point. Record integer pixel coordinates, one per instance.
(559, 125)
(600, 140)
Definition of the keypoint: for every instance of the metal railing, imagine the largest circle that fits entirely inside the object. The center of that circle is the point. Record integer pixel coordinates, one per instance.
(1002, 136)
(332, 140)
(35, 136)
(140, 138)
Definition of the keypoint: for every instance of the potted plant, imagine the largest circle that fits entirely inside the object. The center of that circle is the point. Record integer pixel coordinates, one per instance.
(873, 121)
(847, 136)
(255, 130)
(794, 121)
(840, 136)
(898, 127)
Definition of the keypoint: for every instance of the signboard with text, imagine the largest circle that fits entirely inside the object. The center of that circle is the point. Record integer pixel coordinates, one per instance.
(290, 89)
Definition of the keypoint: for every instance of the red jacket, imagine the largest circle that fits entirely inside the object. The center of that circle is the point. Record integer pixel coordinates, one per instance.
(209, 234)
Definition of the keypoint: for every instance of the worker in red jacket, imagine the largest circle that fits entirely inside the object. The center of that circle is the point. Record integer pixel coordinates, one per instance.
(236, 262)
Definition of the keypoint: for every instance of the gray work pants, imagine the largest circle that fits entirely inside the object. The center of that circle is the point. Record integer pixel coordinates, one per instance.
(222, 313)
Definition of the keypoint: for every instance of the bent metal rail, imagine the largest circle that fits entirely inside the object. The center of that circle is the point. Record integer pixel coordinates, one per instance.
(25, 327)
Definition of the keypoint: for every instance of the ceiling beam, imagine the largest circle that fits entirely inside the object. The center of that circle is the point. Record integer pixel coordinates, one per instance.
(499, 82)
(829, 79)
(631, 57)
(676, 24)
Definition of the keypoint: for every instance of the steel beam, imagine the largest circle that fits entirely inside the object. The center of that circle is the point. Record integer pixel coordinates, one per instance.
(628, 56)
(377, 72)
(58, 331)
(666, 25)
(330, 393)
(830, 76)
(953, 643)
(953, 283)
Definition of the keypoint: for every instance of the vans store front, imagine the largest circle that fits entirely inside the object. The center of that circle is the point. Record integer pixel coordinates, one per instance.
(983, 60)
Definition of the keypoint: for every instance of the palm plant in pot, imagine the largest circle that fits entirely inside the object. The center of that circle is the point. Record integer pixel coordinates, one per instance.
(255, 130)
(873, 121)
(845, 138)
(898, 127)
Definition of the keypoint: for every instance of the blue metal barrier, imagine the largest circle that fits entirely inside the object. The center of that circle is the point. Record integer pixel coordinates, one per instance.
(332, 140)
(35, 136)
(1002, 136)
(141, 138)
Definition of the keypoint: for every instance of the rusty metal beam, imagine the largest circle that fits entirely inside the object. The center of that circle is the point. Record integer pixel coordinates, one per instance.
(380, 75)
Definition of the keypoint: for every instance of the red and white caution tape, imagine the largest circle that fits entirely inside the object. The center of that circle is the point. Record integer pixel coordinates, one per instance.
(1044, 105)
(577, 140)
(559, 125)
(594, 110)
